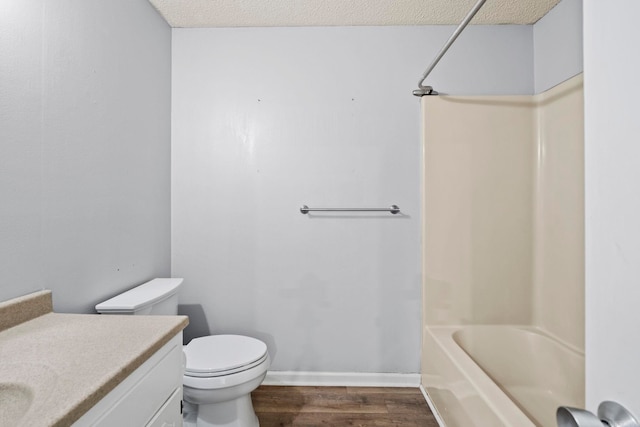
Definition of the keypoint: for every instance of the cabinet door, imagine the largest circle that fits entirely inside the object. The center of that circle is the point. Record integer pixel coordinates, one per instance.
(170, 415)
(137, 399)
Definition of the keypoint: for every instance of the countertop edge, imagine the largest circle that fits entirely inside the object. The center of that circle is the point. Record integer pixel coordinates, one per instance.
(102, 390)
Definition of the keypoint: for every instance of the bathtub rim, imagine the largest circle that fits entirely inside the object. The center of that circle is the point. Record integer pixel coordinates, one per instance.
(528, 328)
(491, 394)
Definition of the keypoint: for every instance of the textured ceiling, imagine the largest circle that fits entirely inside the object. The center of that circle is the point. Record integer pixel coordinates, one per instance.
(288, 13)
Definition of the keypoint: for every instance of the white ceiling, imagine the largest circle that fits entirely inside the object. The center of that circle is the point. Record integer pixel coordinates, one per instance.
(296, 13)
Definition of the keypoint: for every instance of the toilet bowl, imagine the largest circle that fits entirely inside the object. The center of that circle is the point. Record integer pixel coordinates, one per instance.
(221, 371)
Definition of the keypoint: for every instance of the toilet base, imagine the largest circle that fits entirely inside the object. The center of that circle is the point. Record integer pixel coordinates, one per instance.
(233, 413)
(189, 414)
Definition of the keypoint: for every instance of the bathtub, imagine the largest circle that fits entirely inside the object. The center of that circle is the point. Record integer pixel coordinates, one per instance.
(500, 376)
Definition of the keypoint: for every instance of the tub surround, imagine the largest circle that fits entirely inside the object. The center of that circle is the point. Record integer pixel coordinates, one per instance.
(68, 362)
(504, 246)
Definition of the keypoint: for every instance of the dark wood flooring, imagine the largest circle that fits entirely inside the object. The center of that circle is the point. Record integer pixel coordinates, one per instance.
(341, 406)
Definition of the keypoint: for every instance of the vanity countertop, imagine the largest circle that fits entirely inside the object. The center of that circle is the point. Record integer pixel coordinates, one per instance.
(66, 363)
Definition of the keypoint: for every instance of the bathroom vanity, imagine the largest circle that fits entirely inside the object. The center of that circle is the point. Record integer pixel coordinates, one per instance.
(88, 370)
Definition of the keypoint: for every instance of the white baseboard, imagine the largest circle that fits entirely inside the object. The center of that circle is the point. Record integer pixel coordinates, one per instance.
(432, 407)
(342, 379)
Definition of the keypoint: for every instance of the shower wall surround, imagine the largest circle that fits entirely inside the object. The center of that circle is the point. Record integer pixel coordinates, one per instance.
(558, 246)
(478, 209)
(504, 211)
(266, 120)
(504, 245)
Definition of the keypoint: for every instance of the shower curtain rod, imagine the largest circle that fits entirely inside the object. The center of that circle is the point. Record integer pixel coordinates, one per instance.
(428, 90)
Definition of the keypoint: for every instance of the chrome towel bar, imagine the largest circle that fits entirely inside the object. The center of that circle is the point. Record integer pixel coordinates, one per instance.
(394, 209)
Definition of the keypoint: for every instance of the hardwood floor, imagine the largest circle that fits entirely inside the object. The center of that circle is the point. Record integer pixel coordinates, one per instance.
(341, 406)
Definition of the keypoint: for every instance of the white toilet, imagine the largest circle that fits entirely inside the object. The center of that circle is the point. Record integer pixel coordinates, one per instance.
(221, 370)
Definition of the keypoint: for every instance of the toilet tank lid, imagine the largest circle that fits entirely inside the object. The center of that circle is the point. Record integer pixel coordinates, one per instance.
(141, 296)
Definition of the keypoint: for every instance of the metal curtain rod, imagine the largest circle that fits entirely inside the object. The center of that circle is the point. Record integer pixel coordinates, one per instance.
(394, 209)
(428, 90)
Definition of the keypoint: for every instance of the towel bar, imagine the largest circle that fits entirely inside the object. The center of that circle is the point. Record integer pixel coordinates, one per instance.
(394, 209)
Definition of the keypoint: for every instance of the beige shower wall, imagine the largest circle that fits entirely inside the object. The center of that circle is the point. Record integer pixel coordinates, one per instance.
(478, 209)
(558, 274)
(503, 210)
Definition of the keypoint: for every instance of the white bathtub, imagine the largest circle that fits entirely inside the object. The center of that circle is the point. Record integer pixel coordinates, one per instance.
(493, 376)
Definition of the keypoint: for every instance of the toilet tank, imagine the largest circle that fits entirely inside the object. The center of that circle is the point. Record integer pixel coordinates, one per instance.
(158, 296)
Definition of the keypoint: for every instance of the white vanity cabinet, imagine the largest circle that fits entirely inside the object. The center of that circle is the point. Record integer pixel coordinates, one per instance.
(150, 396)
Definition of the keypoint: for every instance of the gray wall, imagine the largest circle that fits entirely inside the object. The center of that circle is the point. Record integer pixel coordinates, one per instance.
(85, 148)
(612, 203)
(557, 45)
(266, 120)
(84, 167)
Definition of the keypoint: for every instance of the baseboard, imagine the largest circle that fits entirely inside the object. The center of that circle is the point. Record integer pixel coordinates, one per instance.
(344, 379)
(434, 411)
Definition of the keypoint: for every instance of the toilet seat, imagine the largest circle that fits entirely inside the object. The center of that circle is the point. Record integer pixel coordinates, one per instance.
(221, 355)
(230, 379)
